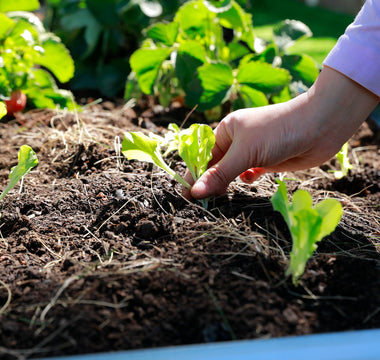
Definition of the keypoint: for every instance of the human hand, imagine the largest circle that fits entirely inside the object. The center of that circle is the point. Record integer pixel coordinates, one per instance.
(298, 134)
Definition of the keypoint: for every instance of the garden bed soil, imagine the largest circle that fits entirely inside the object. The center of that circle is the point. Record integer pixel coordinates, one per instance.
(98, 253)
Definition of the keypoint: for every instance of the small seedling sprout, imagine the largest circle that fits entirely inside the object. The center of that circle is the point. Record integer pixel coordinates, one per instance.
(307, 224)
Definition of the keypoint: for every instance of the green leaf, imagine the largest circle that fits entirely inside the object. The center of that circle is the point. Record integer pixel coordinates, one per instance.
(282, 96)
(237, 19)
(301, 67)
(56, 58)
(216, 83)
(307, 224)
(195, 145)
(280, 202)
(132, 89)
(164, 33)
(146, 63)
(301, 200)
(252, 97)
(137, 146)
(263, 77)
(344, 162)
(50, 98)
(190, 55)
(5, 25)
(305, 230)
(40, 79)
(287, 32)
(24, 5)
(3, 110)
(330, 211)
(194, 19)
(27, 159)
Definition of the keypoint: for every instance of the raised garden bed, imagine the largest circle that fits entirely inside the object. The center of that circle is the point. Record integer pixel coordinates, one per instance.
(100, 254)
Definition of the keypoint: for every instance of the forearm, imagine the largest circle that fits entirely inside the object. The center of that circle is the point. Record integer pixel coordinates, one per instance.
(301, 133)
(339, 106)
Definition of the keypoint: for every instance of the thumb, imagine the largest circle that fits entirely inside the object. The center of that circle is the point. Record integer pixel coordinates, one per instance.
(217, 178)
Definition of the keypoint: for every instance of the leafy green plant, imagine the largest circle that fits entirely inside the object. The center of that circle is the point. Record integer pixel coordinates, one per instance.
(209, 54)
(3, 110)
(344, 162)
(194, 146)
(27, 159)
(101, 35)
(30, 58)
(307, 224)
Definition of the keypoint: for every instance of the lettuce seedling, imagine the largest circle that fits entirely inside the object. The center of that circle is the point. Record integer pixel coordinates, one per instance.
(307, 224)
(137, 146)
(27, 159)
(344, 162)
(194, 146)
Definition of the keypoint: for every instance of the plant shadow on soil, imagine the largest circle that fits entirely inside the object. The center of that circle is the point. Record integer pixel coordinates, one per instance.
(98, 253)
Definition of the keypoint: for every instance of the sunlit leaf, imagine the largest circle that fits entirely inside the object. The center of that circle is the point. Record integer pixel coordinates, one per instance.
(56, 58)
(137, 146)
(24, 5)
(263, 77)
(287, 32)
(307, 224)
(146, 63)
(216, 82)
(190, 55)
(252, 97)
(164, 33)
(27, 159)
(301, 67)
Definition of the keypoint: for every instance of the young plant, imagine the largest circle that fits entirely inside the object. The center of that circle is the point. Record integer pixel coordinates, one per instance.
(27, 159)
(3, 110)
(307, 224)
(101, 36)
(30, 58)
(209, 54)
(344, 162)
(194, 146)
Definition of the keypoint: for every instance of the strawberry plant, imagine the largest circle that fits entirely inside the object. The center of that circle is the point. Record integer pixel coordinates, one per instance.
(31, 58)
(194, 146)
(307, 224)
(27, 159)
(209, 54)
(101, 35)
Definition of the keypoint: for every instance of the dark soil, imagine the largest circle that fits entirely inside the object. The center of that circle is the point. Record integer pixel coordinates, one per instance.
(98, 253)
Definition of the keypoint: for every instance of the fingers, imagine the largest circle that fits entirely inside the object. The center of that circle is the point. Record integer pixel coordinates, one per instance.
(216, 179)
(223, 141)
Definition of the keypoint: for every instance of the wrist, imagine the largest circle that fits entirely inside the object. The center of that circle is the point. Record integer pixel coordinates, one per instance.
(339, 105)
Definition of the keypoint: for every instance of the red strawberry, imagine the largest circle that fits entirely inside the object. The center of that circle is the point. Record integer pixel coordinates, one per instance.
(252, 174)
(16, 103)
